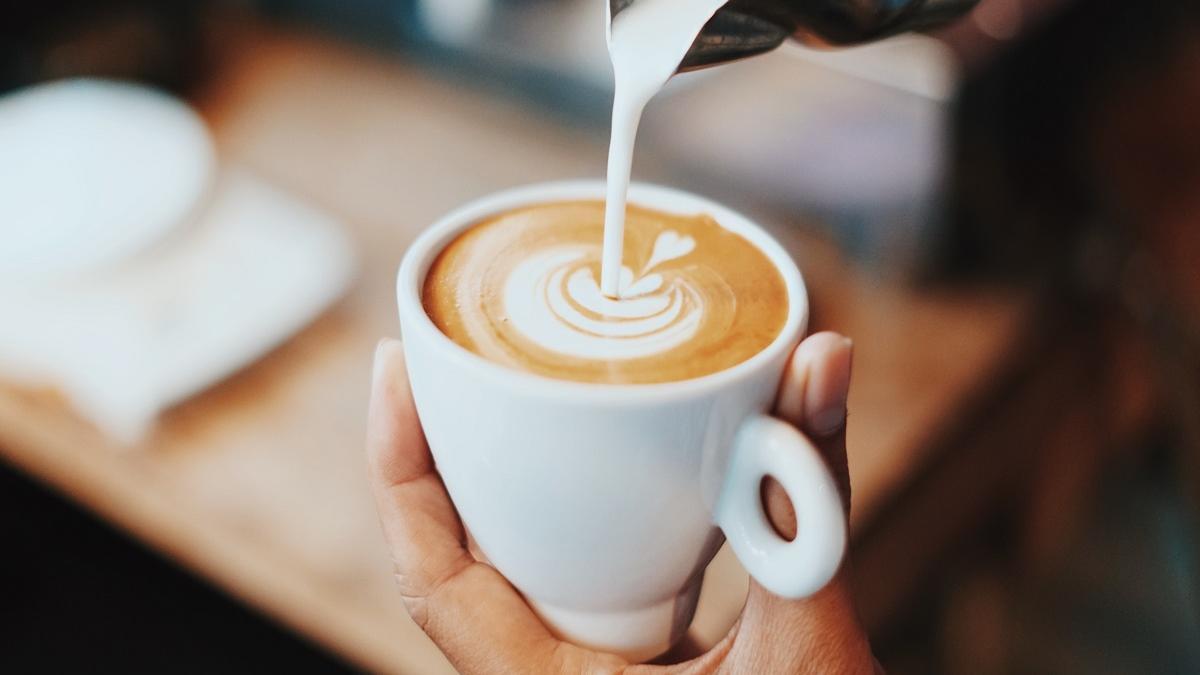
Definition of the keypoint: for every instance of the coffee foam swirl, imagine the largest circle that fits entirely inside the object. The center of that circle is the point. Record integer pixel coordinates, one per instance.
(554, 299)
(523, 289)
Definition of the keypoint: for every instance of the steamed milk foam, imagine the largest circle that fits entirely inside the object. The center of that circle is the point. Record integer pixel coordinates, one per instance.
(521, 289)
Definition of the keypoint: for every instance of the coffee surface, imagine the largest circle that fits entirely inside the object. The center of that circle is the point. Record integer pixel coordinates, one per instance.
(522, 289)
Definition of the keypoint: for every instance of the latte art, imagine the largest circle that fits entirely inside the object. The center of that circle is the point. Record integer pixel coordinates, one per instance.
(523, 289)
(554, 299)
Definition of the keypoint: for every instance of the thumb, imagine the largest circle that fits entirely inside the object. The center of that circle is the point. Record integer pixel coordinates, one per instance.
(812, 397)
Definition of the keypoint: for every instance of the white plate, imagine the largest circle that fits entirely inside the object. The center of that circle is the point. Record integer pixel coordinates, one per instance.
(91, 172)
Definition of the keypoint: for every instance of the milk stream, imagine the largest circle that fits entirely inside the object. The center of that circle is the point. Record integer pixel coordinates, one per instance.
(646, 43)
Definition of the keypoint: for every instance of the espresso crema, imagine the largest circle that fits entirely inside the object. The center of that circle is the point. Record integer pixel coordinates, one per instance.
(523, 289)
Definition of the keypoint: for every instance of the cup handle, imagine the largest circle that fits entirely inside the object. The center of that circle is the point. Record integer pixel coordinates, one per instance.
(766, 446)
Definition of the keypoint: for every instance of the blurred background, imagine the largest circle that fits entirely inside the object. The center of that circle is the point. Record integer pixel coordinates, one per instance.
(197, 246)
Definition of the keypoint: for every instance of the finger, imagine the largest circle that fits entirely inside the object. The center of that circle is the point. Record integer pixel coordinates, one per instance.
(473, 614)
(815, 386)
(829, 360)
(419, 522)
(813, 396)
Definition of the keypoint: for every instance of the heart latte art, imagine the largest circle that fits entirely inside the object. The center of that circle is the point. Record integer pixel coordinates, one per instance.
(522, 289)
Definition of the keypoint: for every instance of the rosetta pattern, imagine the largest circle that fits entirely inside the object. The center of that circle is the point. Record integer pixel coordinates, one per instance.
(554, 300)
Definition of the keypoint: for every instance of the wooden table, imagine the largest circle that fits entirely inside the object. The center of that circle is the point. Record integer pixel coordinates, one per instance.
(259, 484)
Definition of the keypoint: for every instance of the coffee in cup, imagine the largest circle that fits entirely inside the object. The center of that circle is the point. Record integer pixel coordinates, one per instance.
(522, 288)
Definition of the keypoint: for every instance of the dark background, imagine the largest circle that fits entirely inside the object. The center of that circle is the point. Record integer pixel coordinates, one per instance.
(79, 597)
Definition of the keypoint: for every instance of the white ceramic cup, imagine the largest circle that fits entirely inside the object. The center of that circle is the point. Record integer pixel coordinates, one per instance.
(601, 503)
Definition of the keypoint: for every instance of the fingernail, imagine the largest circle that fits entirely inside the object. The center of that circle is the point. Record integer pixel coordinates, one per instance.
(827, 390)
(382, 354)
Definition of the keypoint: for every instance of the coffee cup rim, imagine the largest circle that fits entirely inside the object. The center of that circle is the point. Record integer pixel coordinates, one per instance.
(417, 259)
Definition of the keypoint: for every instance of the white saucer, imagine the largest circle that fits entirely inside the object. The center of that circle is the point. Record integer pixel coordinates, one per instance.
(91, 172)
(256, 267)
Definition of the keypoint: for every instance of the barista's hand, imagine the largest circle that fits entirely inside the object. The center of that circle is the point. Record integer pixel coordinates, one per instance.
(484, 626)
